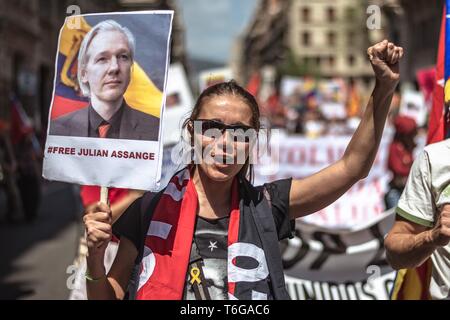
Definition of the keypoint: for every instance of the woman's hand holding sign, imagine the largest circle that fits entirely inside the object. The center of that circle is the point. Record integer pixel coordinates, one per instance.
(98, 223)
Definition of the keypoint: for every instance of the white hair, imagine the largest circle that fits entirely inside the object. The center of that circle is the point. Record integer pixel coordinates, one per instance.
(107, 25)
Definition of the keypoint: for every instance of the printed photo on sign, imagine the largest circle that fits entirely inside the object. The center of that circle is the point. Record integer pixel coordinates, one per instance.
(108, 100)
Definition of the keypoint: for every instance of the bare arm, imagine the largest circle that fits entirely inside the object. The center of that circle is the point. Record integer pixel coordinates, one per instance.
(101, 286)
(408, 244)
(313, 193)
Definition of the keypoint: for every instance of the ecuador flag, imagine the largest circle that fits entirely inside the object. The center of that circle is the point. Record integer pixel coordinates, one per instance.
(141, 94)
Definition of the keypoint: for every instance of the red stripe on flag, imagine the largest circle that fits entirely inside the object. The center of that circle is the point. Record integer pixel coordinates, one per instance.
(436, 130)
(63, 106)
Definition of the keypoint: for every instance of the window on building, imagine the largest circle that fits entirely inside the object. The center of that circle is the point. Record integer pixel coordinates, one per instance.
(350, 38)
(350, 14)
(331, 14)
(351, 60)
(305, 14)
(306, 61)
(318, 60)
(306, 38)
(331, 38)
(331, 61)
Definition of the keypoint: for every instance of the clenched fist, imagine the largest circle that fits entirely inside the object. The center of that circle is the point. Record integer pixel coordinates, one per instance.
(98, 221)
(384, 57)
(440, 234)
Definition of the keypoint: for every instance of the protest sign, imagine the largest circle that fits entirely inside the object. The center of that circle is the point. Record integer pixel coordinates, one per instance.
(108, 99)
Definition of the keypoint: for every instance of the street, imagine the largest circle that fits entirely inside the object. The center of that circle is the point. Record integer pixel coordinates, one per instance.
(35, 256)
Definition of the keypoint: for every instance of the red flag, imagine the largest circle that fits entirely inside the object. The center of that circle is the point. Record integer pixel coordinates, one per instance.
(254, 84)
(436, 127)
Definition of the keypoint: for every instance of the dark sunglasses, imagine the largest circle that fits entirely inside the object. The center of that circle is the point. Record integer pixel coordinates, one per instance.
(235, 129)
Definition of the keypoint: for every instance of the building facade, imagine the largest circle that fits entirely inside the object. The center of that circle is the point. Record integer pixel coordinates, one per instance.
(263, 43)
(28, 41)
(330, 37)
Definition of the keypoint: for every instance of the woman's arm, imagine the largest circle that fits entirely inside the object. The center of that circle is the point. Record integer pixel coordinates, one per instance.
(313, 193)
(99, 232)
(114, 285)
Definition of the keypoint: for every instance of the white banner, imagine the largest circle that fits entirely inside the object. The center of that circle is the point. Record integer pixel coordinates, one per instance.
(299, 157)
(324, 264)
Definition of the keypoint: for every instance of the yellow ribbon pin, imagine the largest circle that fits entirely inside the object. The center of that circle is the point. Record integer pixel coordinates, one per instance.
(195, 272)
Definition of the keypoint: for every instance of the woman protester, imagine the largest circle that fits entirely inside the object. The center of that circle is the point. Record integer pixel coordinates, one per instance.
(210, 234)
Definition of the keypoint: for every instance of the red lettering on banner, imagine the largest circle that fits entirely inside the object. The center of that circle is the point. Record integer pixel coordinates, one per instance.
(354, 212)
(303, 156)
(92, 153)
(313, 161)
(377, 184)
(331, 154)
(84, 152)
(322, 215)
(61, 150)
(290, 155)
(337, 209)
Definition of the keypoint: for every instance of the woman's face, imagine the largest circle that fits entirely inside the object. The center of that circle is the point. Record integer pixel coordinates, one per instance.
(222, 156)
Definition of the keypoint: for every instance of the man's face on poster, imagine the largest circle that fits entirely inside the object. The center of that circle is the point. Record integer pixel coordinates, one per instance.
(108, 67)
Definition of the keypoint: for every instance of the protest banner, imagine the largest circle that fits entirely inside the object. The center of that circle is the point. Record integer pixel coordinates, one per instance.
(108, 99)
(299, 157)
(336, 264)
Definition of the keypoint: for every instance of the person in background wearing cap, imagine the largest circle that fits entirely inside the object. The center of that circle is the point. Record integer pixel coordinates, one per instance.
(400, 157)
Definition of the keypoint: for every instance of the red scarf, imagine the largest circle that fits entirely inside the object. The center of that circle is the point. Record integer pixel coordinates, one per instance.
(169, 239)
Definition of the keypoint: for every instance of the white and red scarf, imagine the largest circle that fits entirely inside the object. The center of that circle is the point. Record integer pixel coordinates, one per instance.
(168, 245)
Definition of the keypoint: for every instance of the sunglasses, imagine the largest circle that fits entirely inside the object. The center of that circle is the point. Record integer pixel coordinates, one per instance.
(236, 130)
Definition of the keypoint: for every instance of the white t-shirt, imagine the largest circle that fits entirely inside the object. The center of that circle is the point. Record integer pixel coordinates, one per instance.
(426, 191)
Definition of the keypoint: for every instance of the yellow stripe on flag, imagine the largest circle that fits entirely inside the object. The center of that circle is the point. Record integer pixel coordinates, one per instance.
(409, 286)
(142, 94)
(72, 37)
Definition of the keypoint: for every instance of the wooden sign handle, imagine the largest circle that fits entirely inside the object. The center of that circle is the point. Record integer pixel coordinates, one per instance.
(104, 195)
